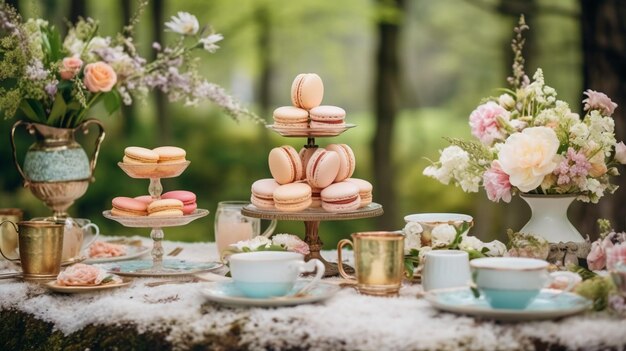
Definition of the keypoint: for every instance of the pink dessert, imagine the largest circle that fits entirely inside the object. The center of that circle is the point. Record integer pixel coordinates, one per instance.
(365, 190)
(347, 161)
(341, 197)
(186, 197)
(101, 249)
(327, 117)
(147, 199)
(285, 164)
(263, 193)
(128, 207)
(322, 168)
(292, 197)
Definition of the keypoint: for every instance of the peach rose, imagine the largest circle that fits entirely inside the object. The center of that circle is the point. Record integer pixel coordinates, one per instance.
(99, 76)
(70, 67)
(81, 274)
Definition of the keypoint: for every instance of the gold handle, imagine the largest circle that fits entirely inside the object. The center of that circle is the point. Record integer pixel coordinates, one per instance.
(28, 127)
(340, 246)
(16, 230)
(94, 159)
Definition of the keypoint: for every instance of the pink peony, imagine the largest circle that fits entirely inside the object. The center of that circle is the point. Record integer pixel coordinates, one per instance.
(99, 77)
(599, 101)
(496, 183)
(620, 152)
(291, 243)
(484, 122)
(70, 67)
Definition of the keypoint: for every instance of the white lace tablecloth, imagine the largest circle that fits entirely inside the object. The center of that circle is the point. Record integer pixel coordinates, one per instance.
(348, 321)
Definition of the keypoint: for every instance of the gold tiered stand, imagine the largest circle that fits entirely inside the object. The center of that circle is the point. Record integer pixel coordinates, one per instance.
(313, 216)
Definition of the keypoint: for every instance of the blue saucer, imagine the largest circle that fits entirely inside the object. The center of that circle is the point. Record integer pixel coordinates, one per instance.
(143, 268)
(549, 304)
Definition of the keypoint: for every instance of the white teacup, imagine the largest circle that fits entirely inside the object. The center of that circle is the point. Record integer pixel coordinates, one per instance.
(513, 282)
(78, 235)
(445, 269)
(264, 274)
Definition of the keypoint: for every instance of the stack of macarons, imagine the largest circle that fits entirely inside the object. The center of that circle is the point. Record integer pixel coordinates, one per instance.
(174, 203)
(307, 92)
(163, 159)
(313, 177)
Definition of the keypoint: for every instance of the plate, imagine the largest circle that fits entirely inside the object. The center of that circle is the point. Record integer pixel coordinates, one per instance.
(226, 293)
(131, 252)
(310, 132)
(156, 222)
(142, 268)
(549, 304)
(83, 289)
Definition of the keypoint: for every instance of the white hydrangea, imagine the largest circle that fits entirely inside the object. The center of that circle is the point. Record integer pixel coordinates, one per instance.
(595, 188)
(452, 164)
(469, 182)
(579, 133)
(470, 243)
(601, 131)
(442, 235)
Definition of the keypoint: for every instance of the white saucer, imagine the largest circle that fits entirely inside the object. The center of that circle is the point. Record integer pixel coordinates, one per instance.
(550, 304)
(226, 293)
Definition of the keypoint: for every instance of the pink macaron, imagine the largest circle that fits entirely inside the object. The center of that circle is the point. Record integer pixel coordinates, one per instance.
(327, 117)
(341, 197)
(365, 190)
(147, 199)
(322, 168)
(292, 197)
(347, 161)
(307, 90)
(285, 164)
(316, 198)
(128, 207)
(263, 193)
(305, 155)
(291, 117)
(186, 197)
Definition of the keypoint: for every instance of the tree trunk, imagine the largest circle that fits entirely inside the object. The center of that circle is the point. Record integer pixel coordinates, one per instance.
(603, 25)
(129, 115)
(78, 8)
(387, 96)
(264, 89)
(163, 123)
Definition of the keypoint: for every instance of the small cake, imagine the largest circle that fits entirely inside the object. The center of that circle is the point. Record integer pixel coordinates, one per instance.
(291, 117)
(165, 208)
(327, 117)
(186, 197)
(341, 197)
(347, 161)
(322, 168)
(307, 91)
(285, 164)
(128, 207)
(365, 190)
(292, 197)
(263, 193)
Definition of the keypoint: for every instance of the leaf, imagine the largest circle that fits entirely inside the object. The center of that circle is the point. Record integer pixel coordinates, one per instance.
(408, 268)
(59, 108)
(112, 101)
(33, 110)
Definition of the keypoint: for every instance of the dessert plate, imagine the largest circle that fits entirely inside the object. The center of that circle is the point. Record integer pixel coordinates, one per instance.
(156, 222)
(310, 132)
(143, 268)
(225, 292)
(52, 285)
(131, 252)
(549, 304)
(147, 170)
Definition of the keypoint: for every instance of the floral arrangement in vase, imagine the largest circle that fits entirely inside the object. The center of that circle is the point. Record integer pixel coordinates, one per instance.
(278, 242)
(55, 81)
(530, 142)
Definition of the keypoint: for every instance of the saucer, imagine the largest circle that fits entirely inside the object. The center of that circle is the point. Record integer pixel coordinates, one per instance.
(131, 252)
(549, 304)
(52, 285)
(171, 268)
(226, 293)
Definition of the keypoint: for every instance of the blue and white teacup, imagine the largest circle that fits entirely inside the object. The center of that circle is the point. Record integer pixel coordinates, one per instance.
(264, 274)
(513, 282)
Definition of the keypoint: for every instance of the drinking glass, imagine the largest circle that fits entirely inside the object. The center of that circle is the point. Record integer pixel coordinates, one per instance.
(231, 226)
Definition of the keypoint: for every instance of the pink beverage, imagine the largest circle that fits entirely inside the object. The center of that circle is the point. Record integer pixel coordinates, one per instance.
(227, 233)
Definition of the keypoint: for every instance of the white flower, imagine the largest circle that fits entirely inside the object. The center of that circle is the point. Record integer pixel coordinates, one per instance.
(579, 133)
(98, 43)
(453, 161)
(413, 228)
(185, 23)
(496, 248)
(443, 235)
(596, 188)
(423, 252)
(252, 244)
(506, 101)
(527, 157)
(620, 152)
(209, 42)
(470, 243)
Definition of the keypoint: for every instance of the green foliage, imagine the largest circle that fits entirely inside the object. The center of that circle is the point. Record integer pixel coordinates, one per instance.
(596, 289)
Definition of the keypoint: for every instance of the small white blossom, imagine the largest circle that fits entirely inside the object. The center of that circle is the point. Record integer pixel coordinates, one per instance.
(443, 235)
(496, 248)
(506, 101)
(185, 23)
(470, 243)
(209, 42)
(252, 244)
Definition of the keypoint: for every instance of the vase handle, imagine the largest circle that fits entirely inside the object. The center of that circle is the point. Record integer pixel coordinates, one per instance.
(29, 128)
(94, 158)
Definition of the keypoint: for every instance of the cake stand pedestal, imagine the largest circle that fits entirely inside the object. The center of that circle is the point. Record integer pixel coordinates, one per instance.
(312, 218)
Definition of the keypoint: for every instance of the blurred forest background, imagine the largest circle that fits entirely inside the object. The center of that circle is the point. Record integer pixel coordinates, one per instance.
(407, 72)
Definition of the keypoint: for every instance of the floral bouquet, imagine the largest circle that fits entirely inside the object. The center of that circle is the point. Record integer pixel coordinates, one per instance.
(278, 242)
(530, 142)
(55, 81)
(608, 250)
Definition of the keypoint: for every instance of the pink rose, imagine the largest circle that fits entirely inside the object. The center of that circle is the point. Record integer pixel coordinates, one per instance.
(484, 122)
(70, 67)
(596, 260)
(291, 243)
(81, 274)
(599, 101)
(620, 152)
(496, 183)
(99, 76)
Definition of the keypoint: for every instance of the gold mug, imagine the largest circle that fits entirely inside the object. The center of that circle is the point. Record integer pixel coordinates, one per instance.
(8, 235)
(378, 262)
(40, 248)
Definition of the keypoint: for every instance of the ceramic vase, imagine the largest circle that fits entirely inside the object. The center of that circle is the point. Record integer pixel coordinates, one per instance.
(549, 218)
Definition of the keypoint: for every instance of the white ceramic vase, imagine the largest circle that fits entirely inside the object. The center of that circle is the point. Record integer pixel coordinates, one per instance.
(549, 218)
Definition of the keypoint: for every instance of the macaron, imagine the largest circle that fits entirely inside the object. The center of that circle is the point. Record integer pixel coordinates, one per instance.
(307, 90)
(147, 199)
(170, 154)
(316, 198)
(263, 193)
(341, 197)
(322, 168)
(347, 161)
(285, 164)
(305, 155)
(140, 155)
(327, 116)
(186, 197)
(365, 190)
(165, 208)
(128, 207)
(292, 197)
(291, 117)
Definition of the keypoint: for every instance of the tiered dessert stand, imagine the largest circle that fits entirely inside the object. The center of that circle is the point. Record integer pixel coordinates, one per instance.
(313, 216)
(158, 267)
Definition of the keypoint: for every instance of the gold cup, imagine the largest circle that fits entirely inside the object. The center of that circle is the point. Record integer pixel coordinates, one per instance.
(8, 235)
(378, 262)
(40, 248)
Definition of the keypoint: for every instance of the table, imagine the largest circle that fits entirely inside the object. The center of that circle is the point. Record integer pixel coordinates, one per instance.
(177, 317)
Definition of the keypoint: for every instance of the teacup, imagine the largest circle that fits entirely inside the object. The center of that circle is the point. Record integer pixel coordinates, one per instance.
(445, 269)
(513, 282)
(264, 274)
(429, 221)
(76, 230)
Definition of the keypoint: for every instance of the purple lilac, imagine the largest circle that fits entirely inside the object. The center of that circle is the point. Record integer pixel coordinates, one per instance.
(573, 168)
